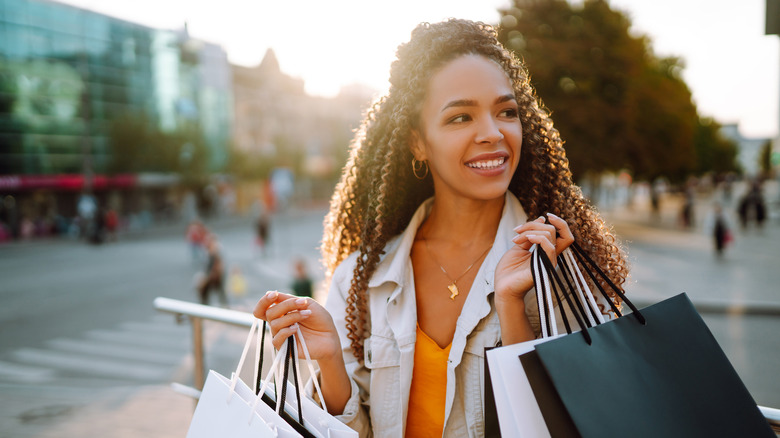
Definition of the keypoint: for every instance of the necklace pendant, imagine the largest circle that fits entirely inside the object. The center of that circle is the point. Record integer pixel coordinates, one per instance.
(453, 291)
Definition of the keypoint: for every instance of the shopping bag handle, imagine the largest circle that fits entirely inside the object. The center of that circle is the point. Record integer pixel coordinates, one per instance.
(298, 383)
(582, 256)
(542, 256)
(279, 403)
(290, 358)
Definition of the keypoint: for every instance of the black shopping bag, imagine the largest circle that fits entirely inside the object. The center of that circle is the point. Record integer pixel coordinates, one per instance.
(659, 372)
(665, 378)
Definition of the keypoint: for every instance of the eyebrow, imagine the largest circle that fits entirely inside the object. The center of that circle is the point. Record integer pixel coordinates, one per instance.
(471, 102)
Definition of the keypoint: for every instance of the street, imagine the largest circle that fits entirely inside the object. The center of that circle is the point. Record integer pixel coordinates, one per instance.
(77, 323)
(83, 352)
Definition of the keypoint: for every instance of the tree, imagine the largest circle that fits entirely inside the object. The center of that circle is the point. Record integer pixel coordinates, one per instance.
(614, 102)
(765, 159)
(137, 145)
(714, 152)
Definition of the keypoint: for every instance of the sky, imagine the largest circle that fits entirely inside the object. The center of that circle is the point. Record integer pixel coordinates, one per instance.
(732, 68)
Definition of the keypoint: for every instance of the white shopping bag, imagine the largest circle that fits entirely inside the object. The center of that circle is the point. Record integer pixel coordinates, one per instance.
(316, 419)
(222, 412)
(516, 406)
(229, 408)
(518, 412)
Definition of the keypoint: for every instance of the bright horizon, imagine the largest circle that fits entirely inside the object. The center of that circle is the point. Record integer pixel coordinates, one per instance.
(732, 68)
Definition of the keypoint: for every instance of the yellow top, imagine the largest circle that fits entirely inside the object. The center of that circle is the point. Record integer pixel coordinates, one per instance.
(425, 416)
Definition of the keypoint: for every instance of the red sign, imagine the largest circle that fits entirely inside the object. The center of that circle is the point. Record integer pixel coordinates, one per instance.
(64, 182)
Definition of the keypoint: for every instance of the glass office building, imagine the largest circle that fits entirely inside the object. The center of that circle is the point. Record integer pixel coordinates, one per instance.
(66, 74)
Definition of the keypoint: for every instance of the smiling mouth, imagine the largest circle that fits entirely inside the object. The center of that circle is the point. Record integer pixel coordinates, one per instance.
(487, 164)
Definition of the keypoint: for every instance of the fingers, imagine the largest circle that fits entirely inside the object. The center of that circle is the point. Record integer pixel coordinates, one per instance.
(283, 313)
(269, 300)
(536, 227)
(564, 234)
(557, 232)
(280, 337)
(546, 245)
(288, 319)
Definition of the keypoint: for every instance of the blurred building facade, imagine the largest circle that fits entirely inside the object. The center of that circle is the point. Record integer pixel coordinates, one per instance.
(276, 120)
(66, 73)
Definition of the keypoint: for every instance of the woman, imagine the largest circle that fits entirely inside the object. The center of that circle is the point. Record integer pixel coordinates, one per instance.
(428, 238)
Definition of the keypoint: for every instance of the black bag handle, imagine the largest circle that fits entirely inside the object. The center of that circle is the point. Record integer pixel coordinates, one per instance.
(551, 270)
(582, 257)
(290, 357)
(296, 424)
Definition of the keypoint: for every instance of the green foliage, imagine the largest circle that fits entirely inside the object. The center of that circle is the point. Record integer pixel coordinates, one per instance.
(765, 159)
(615, 103)
(714, 152)
(139, 146)
(247, 166)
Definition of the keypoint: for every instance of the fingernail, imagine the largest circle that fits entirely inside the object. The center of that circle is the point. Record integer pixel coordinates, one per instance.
(294, 327)
(550, 214)
(306, 312)
(516, 239)
(300, 301)
(272, 294)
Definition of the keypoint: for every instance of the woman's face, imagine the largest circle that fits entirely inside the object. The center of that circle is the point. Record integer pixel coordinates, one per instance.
(470, 129)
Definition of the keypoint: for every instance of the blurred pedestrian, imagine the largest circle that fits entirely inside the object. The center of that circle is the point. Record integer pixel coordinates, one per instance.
(112, 224)
(302, 284)
(213, 280)
(261, 229)
(196, 234)
(98, 230)
(686, 214)
(752, 207)
(721, 232)
(237, 283)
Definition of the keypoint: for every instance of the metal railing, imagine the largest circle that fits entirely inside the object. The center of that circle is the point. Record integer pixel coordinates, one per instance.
(196, 313)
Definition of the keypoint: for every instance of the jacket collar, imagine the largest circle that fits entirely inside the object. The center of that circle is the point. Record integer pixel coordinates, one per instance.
(394, 263)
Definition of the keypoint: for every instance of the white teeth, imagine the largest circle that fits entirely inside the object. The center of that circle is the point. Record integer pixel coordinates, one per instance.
(487, 164)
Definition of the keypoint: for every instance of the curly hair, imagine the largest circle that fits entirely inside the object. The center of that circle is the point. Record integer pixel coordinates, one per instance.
(378, 193)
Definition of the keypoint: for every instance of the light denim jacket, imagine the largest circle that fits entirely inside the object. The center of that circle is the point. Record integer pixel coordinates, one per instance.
(380, 384)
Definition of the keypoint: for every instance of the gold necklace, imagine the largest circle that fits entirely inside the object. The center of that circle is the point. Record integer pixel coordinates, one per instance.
(453, 287)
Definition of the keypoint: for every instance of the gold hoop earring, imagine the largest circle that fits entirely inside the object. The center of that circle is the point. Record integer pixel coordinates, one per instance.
(417, 166)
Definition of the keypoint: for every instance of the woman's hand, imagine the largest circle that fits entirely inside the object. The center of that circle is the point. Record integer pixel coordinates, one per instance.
(285, 313)
(513, 277)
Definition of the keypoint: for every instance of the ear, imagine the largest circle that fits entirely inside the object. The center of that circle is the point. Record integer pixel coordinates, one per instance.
(417, 146)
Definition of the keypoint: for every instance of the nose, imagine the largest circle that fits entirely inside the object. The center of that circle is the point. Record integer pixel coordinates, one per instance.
(488, 131)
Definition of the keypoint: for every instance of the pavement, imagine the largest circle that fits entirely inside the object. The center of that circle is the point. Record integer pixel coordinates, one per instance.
(661, 253)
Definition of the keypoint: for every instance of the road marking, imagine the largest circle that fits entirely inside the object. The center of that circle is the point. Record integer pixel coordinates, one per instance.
(99, 366)
(113, 350)
(25, 373)
(180, 343)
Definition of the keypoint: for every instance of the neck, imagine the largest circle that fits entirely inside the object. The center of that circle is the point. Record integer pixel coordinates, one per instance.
(451, 219)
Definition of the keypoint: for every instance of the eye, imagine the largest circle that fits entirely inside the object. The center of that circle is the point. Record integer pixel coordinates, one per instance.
(511, 113)
(460, 118)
